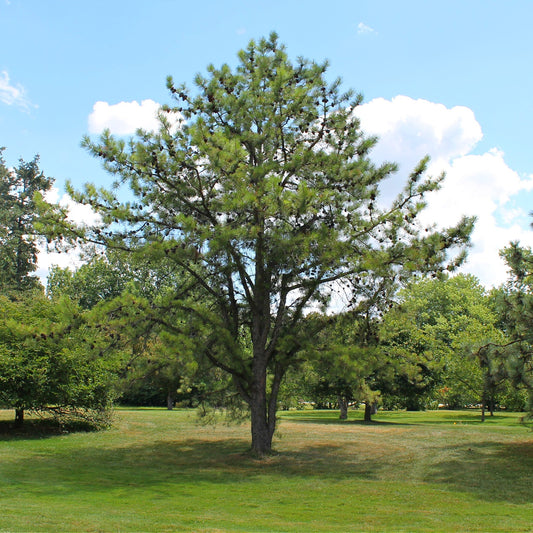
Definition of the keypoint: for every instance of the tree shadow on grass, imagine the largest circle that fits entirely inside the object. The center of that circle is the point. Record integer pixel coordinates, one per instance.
(337, 421)
(39, 428)
(497, 471)
(493, 471)
(180, 464)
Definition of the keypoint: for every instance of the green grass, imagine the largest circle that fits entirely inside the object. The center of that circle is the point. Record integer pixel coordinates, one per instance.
(157, 470)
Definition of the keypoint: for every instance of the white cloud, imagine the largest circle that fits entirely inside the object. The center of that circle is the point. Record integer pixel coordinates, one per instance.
(409, 129)
(124, 118)
(362, 28)
(13, 94)
(476, 185)
(78, 213)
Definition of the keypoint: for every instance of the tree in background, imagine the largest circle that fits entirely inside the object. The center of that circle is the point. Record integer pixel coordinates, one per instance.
(260, 188)
(49, 359)
(120, 290)
(348, 359)
(18, 213)
(514, 305)
(52, 360)
(434, 335)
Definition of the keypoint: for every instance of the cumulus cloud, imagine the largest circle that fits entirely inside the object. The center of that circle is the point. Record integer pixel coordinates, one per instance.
(409, 129)
(484, 186)
(125, 118)
(13, 94)
(480, 185)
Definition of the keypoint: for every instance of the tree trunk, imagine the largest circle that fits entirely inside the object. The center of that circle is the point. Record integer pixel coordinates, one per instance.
(368, 412)
(343, 406)
(171, 398)
(263, 409)
(261, 428)
(19, 417)
(483, 402)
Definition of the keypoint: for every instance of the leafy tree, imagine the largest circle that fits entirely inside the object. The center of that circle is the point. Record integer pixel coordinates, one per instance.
(435, 334)
(260, 187)
(347, 361)
(52, 360)
(18, 213)
(121, 290)
(93, 282)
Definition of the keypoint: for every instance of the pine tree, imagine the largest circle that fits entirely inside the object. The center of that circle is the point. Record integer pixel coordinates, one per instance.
(18, 213)
(259, 185)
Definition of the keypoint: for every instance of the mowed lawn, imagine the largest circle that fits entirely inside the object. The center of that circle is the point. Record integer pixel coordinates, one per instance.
(158, 470)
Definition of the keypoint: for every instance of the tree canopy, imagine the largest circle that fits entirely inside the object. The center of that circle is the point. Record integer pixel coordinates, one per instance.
(514, 305)
(52, 359)
(18, 212)
(260, 187)
(434, 334)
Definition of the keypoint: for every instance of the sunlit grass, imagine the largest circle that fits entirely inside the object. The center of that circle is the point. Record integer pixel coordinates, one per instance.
(157, 470)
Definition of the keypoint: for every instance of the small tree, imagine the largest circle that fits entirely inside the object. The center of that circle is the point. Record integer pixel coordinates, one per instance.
(120, 290)
(51, 360)
(347, 361)
(260, 187)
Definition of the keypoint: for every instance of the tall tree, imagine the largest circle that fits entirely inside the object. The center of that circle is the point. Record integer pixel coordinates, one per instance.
(18, 213)
(259, 185)
(514, 304)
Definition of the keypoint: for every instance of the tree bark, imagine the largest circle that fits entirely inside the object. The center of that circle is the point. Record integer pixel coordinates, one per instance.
(368, 412)
(171, 398)
(260, 427)
(19, 417)
(343, 406)
(263, 409)
(483, 402)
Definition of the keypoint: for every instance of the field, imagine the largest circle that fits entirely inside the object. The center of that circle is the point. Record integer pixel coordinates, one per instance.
(159, 470)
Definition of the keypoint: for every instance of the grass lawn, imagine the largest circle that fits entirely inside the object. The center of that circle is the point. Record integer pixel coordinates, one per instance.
(158, 470)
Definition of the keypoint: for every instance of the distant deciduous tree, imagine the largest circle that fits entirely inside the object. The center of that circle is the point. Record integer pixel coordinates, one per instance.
(51, 360)
(435, 334)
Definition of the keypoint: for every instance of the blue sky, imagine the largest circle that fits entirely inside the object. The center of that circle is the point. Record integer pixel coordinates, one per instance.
(449, 78)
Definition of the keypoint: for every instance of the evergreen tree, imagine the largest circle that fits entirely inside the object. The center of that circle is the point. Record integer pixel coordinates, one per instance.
(514, 305)
(259, 185)
(18, 213)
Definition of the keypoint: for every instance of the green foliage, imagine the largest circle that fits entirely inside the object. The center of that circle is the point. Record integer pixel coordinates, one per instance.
(50, 360)
(259, 186)
(94, 282)
(514, 304)
(434, 336)
(18, 214)
(347, 361)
